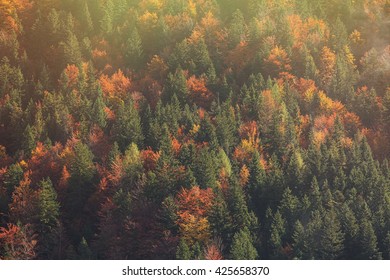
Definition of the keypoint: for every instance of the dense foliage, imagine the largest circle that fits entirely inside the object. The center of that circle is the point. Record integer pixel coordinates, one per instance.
(194, 129)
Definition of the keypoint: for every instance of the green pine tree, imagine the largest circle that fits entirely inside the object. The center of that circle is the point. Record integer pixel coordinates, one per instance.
(242, 246)
(183, 251)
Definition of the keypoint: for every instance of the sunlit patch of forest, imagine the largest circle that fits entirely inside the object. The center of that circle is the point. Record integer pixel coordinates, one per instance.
(194, 129)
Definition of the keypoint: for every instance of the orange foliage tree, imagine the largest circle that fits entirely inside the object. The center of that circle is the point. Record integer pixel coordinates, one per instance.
(17, 242)
(277, 61)
(213, 252)
(327, 66)
(199, 93)
(117, 85)
(193, 206)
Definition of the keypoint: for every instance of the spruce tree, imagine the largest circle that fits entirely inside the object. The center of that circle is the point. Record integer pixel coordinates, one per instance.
(277, 235)
(134, 53)
(176, 84)
(127, 127)
(332, 238)
(98, 114)
(183, 251)
(242, 246)
(49, 242)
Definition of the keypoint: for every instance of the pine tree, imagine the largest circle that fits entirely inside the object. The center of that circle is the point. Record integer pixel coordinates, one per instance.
(241, 215)
(28, 142)
(85, 18)
(256, 183)
(242, 246)
(332, 238)
(49, 208)
(168, 214)
(296, 172)
(205, 169)
(220, 220)
(49, 242)
(176, 84)
(386, 110)
(134, 52)
(12, 178)
(350, 227)
(84, 252)
(315, 195)
(206, 134)
(368, 242)
(183, 251)
(81, 167)
(277, 233)
(339, 36)
(127, 127)
(289, 207)
(314, 229)
(299, 241)
(311, 70)
(98, 114)
(106, 22)
(82, 171)
(237, 29)
(226, 129)
(71, 49)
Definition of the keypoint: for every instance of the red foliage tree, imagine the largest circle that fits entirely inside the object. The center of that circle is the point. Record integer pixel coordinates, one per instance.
(199, 93)
(18, 242)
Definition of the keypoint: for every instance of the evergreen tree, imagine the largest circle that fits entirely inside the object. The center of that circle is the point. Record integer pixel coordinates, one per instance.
(71, 49)
(85, 18)
(28, 143)
(368, 242)
(242, 246)
(226, 127)
(127, 127)
(183, 251)
(386, 110)
(299, 241)
(106, 22)
(84, 252)
(168, 214)
(241, 215)
(134, 52)
(220, 220)
(82, 168)
(98, 114)
(277, 233)
(237, 29)
(205, 169)
(256, 184)
(49, 224)
(332, 238)
(176, 84)
(207, 134)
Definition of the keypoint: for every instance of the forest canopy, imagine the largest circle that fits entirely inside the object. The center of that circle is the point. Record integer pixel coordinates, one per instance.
(194, 129)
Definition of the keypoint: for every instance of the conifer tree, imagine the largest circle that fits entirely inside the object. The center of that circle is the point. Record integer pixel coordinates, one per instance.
(176, 84)
(183, 251)
(71, 49)
(220, 220)
(98, 114)
(127, 127)
(49, 223)
(368, 242)
(28, 143)
(85, 18)
(134, 53)
(332, 238)
(242, 246)
(299, 241)
(277, 233)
